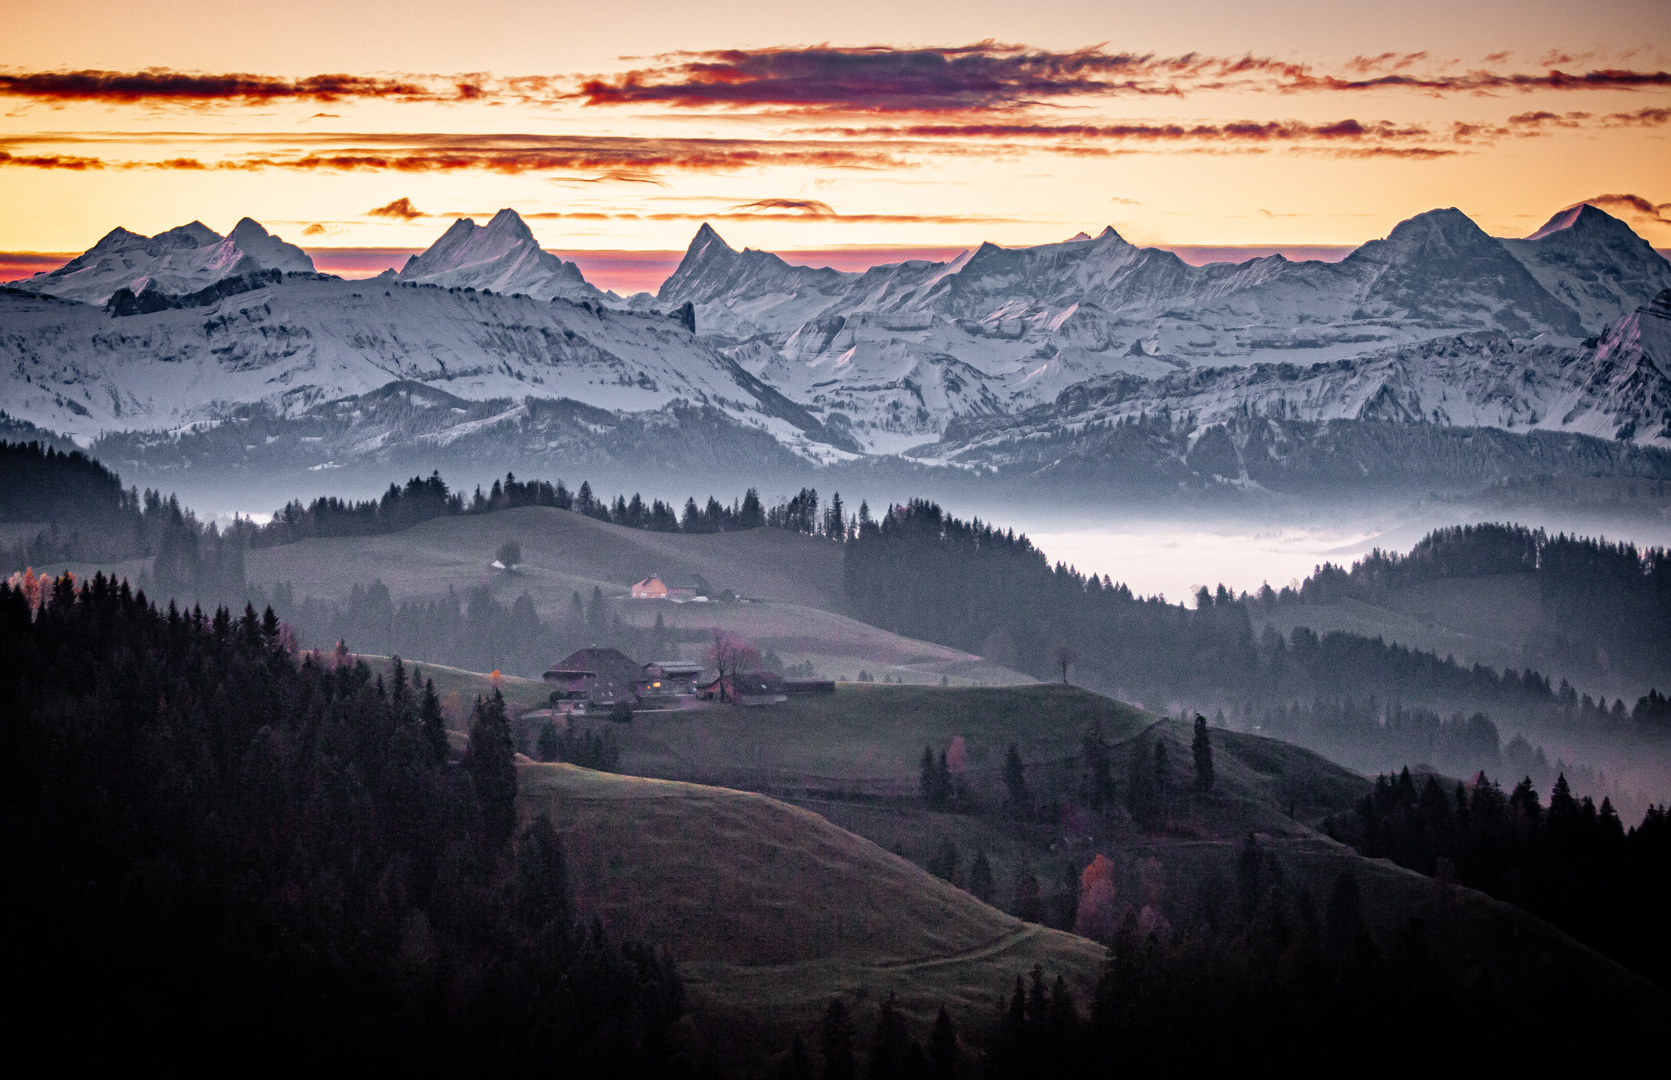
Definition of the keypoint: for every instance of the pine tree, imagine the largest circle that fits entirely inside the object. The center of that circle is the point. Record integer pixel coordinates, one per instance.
(980, 878)
(943, 1051)
(928, 777)
(542, 893)
(835, 1042)
(434, 726)
(1202, 748)
(890, 1049)
(491, 763)
(1015, 780)
(549, 746)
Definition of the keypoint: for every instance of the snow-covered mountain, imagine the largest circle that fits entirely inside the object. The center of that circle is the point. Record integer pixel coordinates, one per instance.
(305, 340)
(896, 353)
(181, 260)
(1437, 326)
(1617, 388)
(501, 256)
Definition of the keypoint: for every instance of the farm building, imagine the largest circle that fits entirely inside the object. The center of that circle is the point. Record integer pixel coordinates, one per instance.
(654, 588)
(596, 678)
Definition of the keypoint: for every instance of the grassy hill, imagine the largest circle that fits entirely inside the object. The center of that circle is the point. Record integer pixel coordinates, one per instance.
(798, 577)
(561, 551)
(772, 911)
(805, 876)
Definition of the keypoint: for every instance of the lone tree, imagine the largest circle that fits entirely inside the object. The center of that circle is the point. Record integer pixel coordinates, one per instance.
(981, 883)
(1065, 658)
(509, 554)
(1202, 748)
(730, 656)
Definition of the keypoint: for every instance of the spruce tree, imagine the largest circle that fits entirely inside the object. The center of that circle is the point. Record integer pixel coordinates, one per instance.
(1015, 780)
(434, 727)
(890, 1049)
(980, 878)
(835, 1042)
(491, 763)
(943, 1051)
(542, 893)
(1202, 748)
(549, 746)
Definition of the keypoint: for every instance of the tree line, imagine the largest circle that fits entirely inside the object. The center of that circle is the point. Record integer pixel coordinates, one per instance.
(1571, 863)
(216, 845)
(1601, 605)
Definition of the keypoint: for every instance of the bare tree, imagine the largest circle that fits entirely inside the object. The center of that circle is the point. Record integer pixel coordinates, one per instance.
(730, 655)
(1065, 658)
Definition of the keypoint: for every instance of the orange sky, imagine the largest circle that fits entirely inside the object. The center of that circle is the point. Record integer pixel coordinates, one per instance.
(623, 126)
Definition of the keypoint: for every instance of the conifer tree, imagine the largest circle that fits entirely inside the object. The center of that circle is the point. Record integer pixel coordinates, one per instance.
(943, 1051)
(891, 1047)
(980, 878)
(1202, 748)
(542, 893)
(434, 726)
(491, 763)
(1015, 780)
(835, 1042)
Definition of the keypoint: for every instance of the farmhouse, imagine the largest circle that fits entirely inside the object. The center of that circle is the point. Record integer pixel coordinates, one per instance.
(596, 678)
(654, 588)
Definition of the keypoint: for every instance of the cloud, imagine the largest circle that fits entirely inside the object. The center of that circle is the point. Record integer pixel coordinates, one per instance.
(797, 207)
(990, 76)
(315, 229)
(1634, 206)
(825, 79)
(614, 176)
(49, 161)
(195, 88)
(509, 154)
(401, 208)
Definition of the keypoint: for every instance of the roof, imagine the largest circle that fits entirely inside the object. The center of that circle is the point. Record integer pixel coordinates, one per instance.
(609, 664)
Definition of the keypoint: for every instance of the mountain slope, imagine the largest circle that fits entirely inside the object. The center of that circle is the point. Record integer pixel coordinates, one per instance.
(297, 344)
(897, 353)
(1593, 263)
(181, 260)
(502, 256)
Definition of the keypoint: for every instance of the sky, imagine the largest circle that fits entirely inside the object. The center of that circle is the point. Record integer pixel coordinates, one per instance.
(846, 131)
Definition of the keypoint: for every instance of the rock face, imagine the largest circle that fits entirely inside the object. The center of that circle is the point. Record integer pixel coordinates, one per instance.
(899, 352)
(292, 344)
(501, 256)
(179, 261)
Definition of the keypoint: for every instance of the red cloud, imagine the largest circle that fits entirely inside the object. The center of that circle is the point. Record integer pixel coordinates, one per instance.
(161, 84)
(401, 208)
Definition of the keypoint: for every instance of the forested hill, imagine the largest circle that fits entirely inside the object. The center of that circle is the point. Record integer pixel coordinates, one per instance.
(969, 585)
(1595, 607)
(41, 483)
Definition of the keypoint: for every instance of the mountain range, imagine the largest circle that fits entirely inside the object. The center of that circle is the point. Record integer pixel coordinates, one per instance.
(151, 340)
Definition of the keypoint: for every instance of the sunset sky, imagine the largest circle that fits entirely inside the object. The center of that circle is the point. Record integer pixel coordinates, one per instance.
(859, 125)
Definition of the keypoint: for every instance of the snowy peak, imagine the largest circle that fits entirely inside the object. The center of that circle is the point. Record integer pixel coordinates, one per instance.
(1593, 263)
(502, 256)
(181, 260)
(1442, 266)
(708, 260)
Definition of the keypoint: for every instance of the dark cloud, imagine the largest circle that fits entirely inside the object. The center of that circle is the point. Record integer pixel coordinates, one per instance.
(517, 154)
(798, 207)
(881, 78)
(825, 79)
(1258, 131)
(401, 209)
(193, 88)
(1634, 205)
(49, 161)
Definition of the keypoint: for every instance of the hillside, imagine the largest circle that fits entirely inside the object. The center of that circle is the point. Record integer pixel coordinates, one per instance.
(799, 577)
(771, 910)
